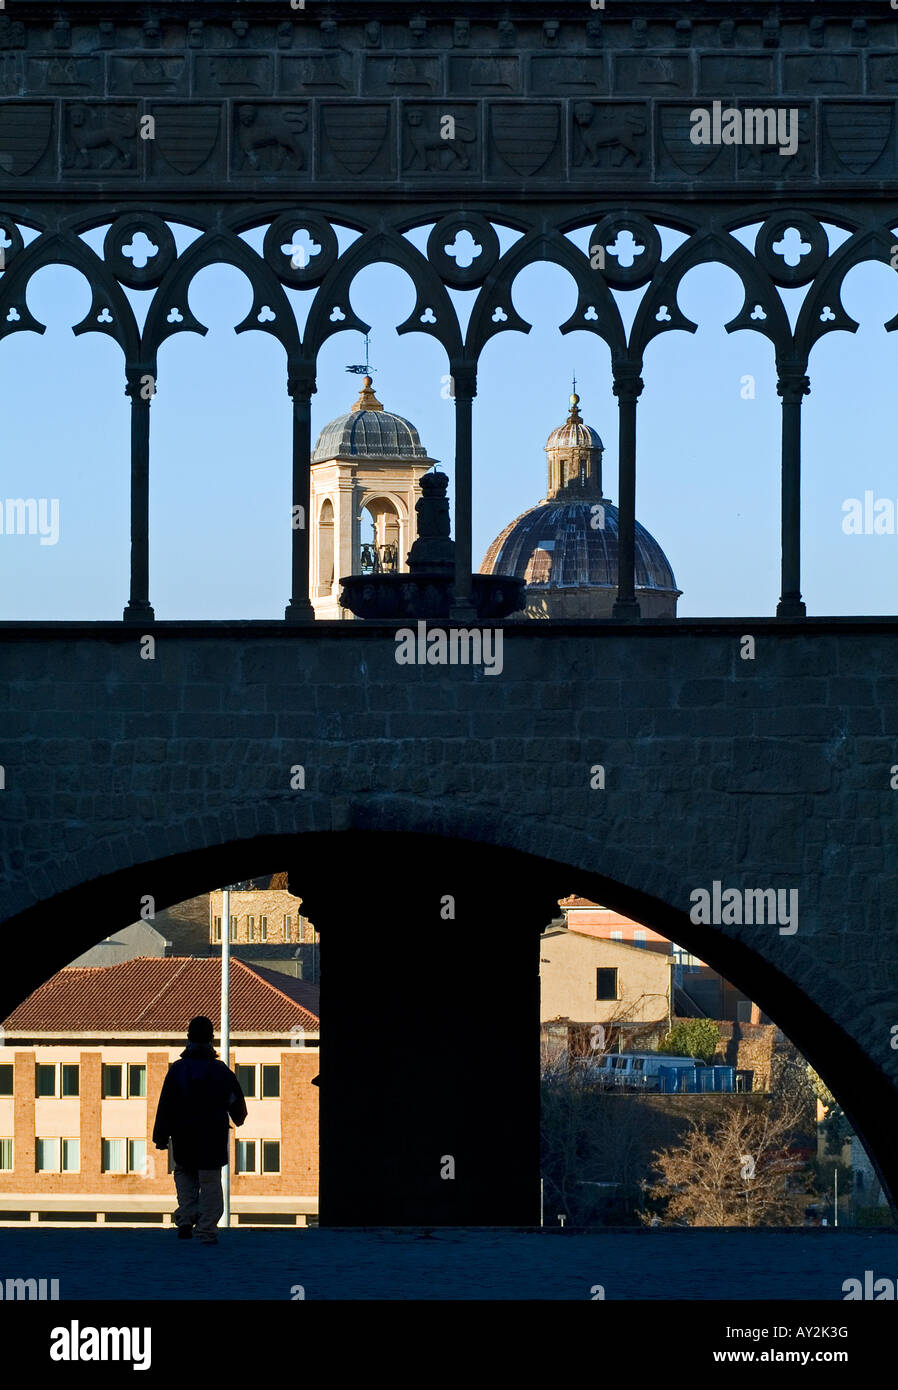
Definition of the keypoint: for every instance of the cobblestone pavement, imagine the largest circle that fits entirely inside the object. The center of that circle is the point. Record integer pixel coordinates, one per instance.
(449, 1264)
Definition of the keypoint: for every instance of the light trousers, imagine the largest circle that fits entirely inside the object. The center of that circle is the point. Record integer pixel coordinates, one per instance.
(200, 1199)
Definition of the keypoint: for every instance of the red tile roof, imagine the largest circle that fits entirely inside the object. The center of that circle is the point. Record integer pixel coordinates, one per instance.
(152, 995)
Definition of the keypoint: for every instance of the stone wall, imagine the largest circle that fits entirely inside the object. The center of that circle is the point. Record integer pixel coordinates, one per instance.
(226, 755)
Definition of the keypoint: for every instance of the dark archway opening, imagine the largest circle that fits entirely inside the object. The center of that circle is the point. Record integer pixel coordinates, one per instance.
(462, 981)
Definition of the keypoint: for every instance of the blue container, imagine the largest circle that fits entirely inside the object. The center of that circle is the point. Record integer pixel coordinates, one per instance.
(704, 1078)
(724, 1078)
(690, 1080)
(668, 1079)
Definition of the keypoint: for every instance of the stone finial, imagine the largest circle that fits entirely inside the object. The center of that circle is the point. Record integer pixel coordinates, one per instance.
(433, 552)
(367, 399)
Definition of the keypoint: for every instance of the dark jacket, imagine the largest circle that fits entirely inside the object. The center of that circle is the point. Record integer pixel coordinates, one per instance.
(198, 1095)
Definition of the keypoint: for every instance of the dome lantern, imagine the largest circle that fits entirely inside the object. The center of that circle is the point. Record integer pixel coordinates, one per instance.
(574, 452)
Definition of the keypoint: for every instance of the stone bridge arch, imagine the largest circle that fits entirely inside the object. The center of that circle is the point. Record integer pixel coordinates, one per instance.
(462, 857)
(175, 776)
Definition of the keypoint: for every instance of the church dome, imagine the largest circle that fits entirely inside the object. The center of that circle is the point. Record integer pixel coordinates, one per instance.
(566, 548)
(574, 434)
(558, 545)
(369, 431)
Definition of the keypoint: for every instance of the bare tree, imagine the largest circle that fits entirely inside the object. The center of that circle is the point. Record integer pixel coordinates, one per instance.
(739, 1171)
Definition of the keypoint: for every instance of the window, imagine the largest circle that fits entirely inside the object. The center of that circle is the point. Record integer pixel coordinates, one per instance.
(263, 928)
(606, 983)
(137, 1156)
(113, 1155)
(52, 1079)
(53, 1155)
(743, 1011)
(266, 1086)
(45, 1079)
(250, 1150)
(617, 936)
(246, 1155)
(7, 1072)
(288, 928)
(5, 1155)
(639, 936)
(233, 928)
(216, 929)
(112, 1082)
(250, 928)
(247, 1078)
(137, 1080)
(47, 1155)
(620, 1063)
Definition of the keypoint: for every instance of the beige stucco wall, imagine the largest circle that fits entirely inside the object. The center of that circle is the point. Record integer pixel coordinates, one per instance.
(568, 964)
(273, 903)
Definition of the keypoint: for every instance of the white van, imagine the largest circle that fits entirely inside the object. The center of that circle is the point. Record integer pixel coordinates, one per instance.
(637, 1070)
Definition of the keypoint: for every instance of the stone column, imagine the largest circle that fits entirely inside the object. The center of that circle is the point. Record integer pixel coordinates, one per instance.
(628, 386)
(464, 377)
(301, 387)
(429, 1079)
(141, 386)
(792, 385)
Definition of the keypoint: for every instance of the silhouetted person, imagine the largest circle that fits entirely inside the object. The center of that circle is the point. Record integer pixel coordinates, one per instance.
(198, 1095)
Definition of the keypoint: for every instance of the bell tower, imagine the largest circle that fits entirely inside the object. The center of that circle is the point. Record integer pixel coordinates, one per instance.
(366, 480)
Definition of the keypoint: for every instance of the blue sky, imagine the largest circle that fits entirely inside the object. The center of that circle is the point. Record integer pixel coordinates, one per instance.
(708, 460)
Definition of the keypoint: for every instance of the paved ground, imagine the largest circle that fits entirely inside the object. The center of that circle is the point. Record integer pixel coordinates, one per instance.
(449, 1264)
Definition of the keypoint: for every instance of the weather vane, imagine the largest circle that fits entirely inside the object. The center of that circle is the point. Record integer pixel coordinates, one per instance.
(365, 370)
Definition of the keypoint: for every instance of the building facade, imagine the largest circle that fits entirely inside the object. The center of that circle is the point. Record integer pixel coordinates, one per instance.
(589, 979)
(699, 990)
(81, 1069)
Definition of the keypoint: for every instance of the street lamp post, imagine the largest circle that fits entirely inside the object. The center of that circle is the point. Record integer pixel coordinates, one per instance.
(226, 1035)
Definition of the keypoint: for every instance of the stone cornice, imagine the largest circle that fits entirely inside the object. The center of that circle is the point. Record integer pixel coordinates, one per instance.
(548, 99)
